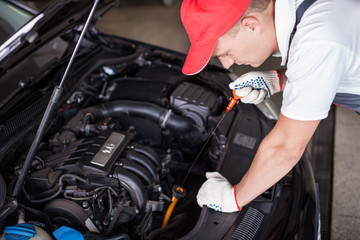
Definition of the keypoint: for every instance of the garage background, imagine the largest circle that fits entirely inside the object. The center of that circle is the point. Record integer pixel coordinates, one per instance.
(158, 22)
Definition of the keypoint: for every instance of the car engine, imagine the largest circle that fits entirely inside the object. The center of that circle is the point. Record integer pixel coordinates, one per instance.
(118, 149)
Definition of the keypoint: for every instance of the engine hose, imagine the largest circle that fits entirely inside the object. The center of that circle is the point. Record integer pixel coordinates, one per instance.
(150, 111)
(60, 186)
(163, 117)
(7, 209)
(44, 217)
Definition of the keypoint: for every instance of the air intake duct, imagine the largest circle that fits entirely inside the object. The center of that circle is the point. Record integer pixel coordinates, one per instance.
(115, 109)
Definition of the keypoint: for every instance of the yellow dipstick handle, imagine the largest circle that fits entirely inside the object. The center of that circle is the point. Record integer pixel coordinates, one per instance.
(178, 192)
(169, 211)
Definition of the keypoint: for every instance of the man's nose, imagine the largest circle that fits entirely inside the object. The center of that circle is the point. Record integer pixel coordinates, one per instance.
(226, 61)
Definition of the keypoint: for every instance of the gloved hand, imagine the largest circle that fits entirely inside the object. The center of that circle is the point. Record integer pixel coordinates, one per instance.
(255, 86)
(217, 193)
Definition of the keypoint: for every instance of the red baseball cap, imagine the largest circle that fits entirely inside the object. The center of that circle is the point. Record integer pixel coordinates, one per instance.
(205, 21)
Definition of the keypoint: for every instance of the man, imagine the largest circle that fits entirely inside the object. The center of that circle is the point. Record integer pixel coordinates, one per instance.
(322, 52)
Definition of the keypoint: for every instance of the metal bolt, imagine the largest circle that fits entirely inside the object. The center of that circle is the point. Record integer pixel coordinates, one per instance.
(85, 204)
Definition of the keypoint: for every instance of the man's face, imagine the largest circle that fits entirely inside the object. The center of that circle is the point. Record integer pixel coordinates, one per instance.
(246, 47)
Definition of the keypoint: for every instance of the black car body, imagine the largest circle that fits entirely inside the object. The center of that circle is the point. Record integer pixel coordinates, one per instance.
(125, 131)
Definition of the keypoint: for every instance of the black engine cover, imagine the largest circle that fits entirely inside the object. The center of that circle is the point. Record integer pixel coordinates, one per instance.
(92, 156)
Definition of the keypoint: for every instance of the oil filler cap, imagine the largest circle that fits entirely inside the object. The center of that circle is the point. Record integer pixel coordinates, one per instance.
(21, 231)
(178, 191)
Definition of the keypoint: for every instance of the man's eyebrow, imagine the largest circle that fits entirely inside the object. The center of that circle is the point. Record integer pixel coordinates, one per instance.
(215, 54)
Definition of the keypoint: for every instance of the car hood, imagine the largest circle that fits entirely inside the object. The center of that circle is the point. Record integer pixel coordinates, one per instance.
(59, 16)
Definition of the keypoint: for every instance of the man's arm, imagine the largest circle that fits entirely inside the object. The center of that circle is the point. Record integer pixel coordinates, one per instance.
(278, 153)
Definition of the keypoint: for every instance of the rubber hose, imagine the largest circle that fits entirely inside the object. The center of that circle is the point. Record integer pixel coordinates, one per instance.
(142, 109)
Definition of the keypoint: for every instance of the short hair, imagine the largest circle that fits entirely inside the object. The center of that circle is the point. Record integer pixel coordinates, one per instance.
(257, 5)
(254, 6)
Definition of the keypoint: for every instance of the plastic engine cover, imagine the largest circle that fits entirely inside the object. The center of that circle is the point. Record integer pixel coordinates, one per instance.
(194, 101)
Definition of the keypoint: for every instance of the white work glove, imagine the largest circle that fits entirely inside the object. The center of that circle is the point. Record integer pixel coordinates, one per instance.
(217, 193)
(255, 86)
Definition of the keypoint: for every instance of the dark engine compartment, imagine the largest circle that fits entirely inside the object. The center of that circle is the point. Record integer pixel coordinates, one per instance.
(127, 134)
(118, 158)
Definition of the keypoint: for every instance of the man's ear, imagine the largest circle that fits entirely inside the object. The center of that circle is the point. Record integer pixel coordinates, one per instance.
(251, 23)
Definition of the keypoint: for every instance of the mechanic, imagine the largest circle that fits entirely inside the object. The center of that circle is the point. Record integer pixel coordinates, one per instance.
(318, 41)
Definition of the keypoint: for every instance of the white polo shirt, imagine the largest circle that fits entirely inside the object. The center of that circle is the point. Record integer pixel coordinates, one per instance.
(324, 56)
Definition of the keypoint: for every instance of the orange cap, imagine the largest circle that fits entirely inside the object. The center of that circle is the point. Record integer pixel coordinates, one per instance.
(233, 101)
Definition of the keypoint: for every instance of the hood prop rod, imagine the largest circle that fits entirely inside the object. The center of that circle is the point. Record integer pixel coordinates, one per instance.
(55, 97)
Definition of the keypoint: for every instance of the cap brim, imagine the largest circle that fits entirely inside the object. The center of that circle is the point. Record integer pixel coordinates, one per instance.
(197, 58)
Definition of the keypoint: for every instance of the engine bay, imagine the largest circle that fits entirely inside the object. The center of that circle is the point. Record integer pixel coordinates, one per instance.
(117, 149)
(113, 166)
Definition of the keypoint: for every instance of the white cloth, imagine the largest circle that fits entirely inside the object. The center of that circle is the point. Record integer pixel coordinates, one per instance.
(217, 193)
(253, 87)
(324, 56)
